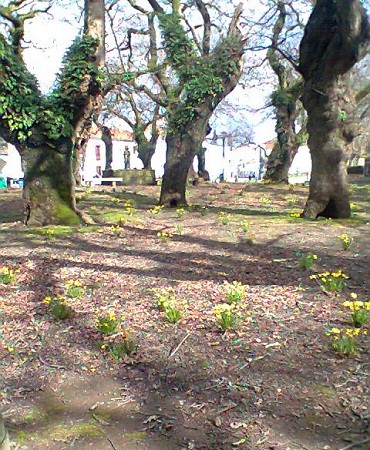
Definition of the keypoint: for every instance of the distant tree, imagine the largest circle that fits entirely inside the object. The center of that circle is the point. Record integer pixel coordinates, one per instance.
(142, 115)
(336, 37)
(45, 128)
(129, 67)
(360, 89)
(286, 98)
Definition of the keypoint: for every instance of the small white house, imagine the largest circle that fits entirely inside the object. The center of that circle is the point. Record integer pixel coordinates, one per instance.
(95, 158)
(10, 164)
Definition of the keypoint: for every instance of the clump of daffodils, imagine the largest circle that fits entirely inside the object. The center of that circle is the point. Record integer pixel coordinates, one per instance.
(108, 323)
(227, 316)
(129, 207)
(163, 236)
(345, 342)
(117, 229)
(180, 212)
(156, 210)
(235, 292)
(59, 307)
(223, 218)
(331, 281)
(74, 288)
(245, 226)
(8, 275)
(346, 241)
(167, 302)
(360, 310)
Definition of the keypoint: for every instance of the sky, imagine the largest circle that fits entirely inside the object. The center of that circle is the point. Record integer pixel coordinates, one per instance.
(51, 36)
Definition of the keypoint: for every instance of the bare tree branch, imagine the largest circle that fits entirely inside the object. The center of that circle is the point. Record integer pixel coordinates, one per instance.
(206, 44)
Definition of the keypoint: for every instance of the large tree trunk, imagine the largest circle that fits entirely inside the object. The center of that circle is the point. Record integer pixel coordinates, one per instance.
(179, 157)
(282, 155)
(49, 188)
(145, 152)
(49, 191)
(335, 38)
(329, 139)
(285, 100)
(106, 137)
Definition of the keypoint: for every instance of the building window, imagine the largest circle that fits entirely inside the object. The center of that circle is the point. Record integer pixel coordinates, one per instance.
(97, 152)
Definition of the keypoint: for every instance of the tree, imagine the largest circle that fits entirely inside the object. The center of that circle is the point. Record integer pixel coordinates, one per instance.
(205, 77)
(286, 102)
(335, 38)
(142, 115)
(360, 88)
(124, 100)
(45, 128)
(193, 67)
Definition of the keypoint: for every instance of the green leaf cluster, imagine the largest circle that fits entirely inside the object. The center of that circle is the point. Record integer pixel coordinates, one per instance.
(281, 97)
(179, 49)
(23, 108)
(79, 78)
(201, 79)
(19, 94)
(286, 96)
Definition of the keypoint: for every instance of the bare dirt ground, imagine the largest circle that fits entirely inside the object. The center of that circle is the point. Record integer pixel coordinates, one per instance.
(271, 383)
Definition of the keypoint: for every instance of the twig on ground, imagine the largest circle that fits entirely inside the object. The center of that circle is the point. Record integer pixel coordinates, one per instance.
(355, 443)
(174, 351)
(54, 366)
(110, 441)
(324, 408)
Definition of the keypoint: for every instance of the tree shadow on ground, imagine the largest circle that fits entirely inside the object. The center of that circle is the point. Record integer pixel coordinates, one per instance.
(165, 261)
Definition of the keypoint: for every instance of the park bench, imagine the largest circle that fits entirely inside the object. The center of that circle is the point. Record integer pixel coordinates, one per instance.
(112, 180)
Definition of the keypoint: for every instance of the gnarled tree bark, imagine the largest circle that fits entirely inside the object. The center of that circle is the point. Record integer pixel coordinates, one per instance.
(335, 38)
(287, 106)
(188, 115)
(51, 125)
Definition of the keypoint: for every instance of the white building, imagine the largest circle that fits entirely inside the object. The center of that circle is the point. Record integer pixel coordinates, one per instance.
(222, 161)
(95, 157)
(10, 163)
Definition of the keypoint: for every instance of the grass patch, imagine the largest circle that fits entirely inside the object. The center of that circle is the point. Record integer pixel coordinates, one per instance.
(55, 231)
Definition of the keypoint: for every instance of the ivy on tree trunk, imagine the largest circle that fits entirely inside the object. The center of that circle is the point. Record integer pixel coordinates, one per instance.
(285, 100)
(203, 81)
(45, 128)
